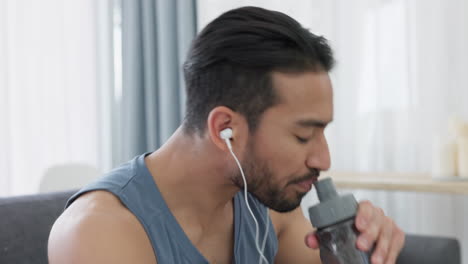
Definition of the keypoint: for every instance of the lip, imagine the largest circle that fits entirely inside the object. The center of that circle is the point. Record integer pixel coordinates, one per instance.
(307, 184)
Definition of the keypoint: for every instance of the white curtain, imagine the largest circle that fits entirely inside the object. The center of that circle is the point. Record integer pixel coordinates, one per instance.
(400, 76)
(48, 89)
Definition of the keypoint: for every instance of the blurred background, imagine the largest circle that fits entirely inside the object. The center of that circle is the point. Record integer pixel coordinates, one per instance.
(87, 84)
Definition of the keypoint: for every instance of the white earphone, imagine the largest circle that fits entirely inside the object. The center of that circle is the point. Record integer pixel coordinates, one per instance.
(226, 134)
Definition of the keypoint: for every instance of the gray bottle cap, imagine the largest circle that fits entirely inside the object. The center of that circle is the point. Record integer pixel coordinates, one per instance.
(332, 208)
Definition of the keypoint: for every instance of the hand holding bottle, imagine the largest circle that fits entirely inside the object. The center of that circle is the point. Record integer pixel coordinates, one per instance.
(368, 229)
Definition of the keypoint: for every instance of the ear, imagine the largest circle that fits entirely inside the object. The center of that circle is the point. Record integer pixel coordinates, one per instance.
(220, 118)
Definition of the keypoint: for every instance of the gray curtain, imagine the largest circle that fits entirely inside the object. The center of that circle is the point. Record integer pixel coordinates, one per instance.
(156, 35)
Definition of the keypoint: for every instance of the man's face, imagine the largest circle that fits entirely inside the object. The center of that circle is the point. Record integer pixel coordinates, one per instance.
(288, 150)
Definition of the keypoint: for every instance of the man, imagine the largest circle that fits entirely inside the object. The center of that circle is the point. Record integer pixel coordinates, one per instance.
(262, 75)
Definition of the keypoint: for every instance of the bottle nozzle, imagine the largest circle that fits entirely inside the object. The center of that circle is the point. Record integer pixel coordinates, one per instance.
(332, 208)
(325, 189)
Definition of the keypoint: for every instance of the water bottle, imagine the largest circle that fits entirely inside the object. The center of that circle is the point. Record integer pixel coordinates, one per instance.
(336, 232)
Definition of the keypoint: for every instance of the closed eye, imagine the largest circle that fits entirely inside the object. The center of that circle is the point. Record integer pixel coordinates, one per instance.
(302, 140)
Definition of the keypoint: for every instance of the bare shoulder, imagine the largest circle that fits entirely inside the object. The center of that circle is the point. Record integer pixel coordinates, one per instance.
(283, 221)
(291, 229)
(97, 228)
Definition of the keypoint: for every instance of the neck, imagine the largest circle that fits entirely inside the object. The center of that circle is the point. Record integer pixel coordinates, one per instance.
(193, 177)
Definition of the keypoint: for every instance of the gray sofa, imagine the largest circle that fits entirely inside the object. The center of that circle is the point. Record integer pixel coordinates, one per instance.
(25, 223)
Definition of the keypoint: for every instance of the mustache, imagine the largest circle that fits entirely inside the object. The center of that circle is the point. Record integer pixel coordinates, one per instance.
(314, 173)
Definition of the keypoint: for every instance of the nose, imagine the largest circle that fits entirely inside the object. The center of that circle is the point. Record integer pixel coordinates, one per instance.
(319, 154)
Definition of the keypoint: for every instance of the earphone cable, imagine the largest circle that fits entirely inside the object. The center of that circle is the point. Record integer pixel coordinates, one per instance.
(262, 257)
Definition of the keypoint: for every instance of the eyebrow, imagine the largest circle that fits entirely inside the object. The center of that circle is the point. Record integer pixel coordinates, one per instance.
(312, 123)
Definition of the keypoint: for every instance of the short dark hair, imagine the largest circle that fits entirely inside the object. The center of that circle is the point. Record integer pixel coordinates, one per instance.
(231, 60)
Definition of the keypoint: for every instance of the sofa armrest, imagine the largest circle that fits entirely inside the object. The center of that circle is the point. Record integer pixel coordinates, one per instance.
(430, 250)
(25, 223)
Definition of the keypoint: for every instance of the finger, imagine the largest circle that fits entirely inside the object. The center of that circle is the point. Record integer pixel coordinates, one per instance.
(397, 244)
(384, 241)
(370, 234)
(311, 240)
(364, 215)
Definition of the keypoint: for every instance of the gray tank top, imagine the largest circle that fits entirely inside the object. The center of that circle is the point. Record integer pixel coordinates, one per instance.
(133, 185)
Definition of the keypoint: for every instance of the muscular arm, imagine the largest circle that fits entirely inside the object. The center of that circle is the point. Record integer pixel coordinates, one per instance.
(291, 229)
(98, 233)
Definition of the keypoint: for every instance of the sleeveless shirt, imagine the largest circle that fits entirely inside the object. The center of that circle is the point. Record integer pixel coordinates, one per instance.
(134, 186)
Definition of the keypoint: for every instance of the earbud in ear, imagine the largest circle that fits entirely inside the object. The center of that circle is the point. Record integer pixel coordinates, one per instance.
(226, 134)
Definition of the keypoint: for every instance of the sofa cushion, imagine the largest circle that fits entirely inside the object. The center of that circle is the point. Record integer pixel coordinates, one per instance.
(430, 250)
(25, 224)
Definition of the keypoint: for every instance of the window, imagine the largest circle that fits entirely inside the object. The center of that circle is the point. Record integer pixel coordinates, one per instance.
(50, 72)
